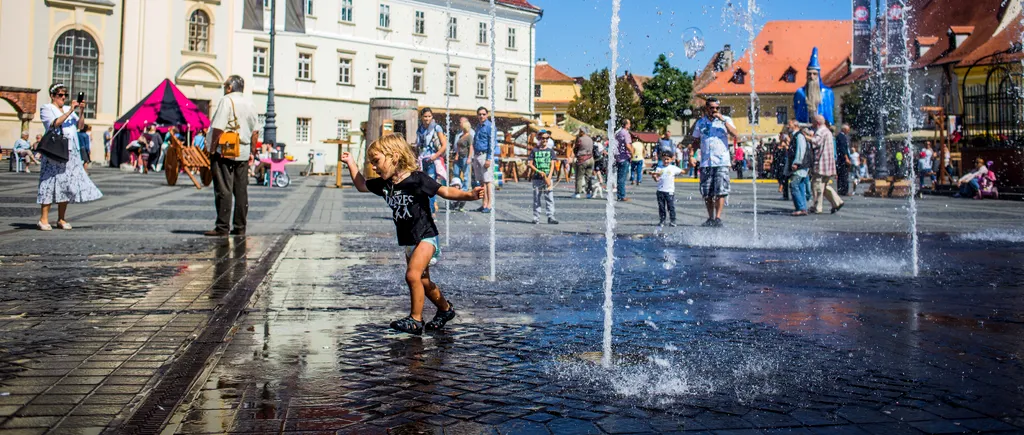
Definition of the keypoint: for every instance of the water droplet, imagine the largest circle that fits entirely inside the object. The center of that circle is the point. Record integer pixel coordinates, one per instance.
(689, 301)
(693, 41)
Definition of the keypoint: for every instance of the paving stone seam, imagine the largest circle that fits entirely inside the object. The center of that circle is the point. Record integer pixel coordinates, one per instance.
(152, 414)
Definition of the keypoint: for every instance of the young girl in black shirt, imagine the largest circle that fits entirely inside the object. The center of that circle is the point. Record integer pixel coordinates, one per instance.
(408, 192)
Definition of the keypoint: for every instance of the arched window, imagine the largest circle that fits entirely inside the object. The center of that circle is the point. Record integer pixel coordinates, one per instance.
(199, 32)
(76, 62)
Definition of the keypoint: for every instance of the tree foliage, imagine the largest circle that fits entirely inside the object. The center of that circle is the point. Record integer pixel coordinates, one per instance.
(666, 95)
(592, 104)
(861, 111)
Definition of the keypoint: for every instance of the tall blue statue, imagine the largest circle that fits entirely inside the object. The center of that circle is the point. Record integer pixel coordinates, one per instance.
(814, 98)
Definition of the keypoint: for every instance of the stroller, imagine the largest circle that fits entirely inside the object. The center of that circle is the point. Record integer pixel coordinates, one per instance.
(275, 175)
(987, 185)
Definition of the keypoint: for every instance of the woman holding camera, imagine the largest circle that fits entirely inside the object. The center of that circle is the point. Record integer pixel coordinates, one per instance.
(63, 182)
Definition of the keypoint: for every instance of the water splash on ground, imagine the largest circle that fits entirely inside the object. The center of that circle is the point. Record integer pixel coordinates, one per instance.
(992, 235)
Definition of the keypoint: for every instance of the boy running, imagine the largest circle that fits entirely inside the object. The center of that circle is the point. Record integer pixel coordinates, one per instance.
(408, 193)
(539, 161)
(665, 176)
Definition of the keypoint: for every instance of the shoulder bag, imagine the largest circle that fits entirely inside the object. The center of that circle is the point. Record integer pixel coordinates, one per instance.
(230, 142)
(54, 145)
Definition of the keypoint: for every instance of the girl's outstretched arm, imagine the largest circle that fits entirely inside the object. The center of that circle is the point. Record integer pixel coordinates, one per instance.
(459, 194)
(357, 177)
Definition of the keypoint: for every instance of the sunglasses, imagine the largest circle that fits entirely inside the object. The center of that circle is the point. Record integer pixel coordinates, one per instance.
(62, 94)
(715, 108)
(481, 114)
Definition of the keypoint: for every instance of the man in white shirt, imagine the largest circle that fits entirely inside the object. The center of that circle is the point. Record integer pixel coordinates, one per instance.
(711, 135)
(231, 176)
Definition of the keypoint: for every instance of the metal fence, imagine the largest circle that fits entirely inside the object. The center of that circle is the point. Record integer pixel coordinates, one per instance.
(993, 111)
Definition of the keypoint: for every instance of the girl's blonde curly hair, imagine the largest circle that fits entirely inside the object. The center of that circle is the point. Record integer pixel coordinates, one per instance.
(395, 147)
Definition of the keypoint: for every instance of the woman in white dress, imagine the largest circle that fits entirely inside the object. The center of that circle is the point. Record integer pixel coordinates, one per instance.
(62, 183)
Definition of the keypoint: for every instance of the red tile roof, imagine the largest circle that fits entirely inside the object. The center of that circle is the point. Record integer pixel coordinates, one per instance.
(980, 18)
(547, 73)
(792, 42)
(522, 4)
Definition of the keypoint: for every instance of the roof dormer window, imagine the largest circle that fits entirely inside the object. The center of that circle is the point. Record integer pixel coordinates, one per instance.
(789, 76)
(739, 77)
(959, 34)
(925, 43)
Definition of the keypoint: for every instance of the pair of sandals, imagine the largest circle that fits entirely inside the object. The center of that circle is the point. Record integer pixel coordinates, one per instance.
(45, 226)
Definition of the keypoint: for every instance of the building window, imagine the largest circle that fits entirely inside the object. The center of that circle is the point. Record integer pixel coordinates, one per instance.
(559, 118)
(726, 110)
(453, 28)
(383, 74)
(417, 79)
(739, 77)
(481, 38)
(266, 4)
(344, 71)
(344, 126)
(259, 61)
(781, 115)
(421, 26)
(76, 62)
(305, 71)
(789, 76)
(510, 88)
(537, 91)
(451, 86)
(309, 8)
(481, 85)
(754, 114)
(385, 16)
(199, 32)
(512, 39)
(302, 130)
(346, 11)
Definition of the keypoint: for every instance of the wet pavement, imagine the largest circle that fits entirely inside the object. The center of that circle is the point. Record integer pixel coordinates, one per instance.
(815, 327)
(801, 339)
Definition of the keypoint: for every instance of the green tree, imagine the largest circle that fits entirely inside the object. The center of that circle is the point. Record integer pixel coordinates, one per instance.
(862, 113)
(666, 95)
(592, 104)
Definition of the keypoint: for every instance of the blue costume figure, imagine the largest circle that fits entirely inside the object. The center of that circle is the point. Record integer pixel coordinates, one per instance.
(814, 94)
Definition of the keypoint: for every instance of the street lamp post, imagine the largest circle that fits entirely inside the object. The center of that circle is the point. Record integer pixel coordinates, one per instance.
(687, 113)
(270, 129)
(882, 155)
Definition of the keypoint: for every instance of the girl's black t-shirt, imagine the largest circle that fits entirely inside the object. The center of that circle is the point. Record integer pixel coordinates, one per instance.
(410, 205)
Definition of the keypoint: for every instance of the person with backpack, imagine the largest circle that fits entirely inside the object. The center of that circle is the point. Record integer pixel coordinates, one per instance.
(799, 161)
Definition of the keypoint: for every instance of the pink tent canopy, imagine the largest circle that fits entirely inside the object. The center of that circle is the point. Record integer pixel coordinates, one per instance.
(166, 106)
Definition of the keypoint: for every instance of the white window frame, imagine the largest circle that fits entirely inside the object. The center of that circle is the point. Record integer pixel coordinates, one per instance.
(345, 69)
(308, 64)
(481, 84)
(481, 37)
(421, 75)
(303, 127)
(420, 25)
(511, 84)
(200, 32)
(344, 128)
(260, 53)
(345, 15)
(384, 19)
(383, 74)
(451, 83)
(453, 28)
(511, 38)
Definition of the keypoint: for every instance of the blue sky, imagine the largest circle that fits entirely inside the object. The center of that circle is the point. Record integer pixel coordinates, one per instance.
(573, 36)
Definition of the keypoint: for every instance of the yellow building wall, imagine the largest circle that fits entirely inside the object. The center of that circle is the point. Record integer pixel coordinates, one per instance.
(555, 98)
(768, 125)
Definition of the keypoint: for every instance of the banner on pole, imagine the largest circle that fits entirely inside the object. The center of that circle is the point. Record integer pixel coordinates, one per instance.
(896, 17)
(861, 33)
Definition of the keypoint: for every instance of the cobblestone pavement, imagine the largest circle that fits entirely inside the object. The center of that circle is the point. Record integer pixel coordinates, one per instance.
(98, 320)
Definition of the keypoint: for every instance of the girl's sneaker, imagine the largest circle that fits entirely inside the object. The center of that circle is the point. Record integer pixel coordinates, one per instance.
(441, 318)
(408, 325)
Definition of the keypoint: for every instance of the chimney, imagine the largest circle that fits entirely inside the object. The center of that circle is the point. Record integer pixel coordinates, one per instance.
(542, 61)
(725, 59)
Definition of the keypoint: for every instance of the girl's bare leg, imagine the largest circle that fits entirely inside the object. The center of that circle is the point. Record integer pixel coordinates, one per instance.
(414, 273)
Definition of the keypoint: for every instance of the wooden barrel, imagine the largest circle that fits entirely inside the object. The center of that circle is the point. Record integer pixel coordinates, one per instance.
(401, 116)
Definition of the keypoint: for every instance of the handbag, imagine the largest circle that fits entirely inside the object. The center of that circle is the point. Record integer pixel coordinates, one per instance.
(230, 142)
(54, 145)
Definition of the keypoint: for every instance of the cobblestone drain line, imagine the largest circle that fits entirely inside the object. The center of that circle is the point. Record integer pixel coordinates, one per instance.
(153, 413)
(307, 210)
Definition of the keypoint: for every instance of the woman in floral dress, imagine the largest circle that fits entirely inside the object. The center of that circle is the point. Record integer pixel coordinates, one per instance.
(62, 183)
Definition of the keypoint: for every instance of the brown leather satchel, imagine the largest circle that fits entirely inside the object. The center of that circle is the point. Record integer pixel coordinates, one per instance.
(230, 141)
